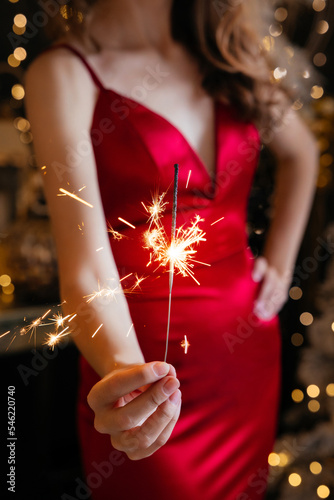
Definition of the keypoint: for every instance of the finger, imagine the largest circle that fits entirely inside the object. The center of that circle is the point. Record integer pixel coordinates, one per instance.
(264, 305)
(139, 409)
(122, 382)
(259, 269)
(157, 429)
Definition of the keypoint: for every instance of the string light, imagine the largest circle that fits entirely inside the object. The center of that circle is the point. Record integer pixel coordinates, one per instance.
(323, 491)
(306, 319)
(5, 280)
(20, 20)
(315, 468)
(330, 390)
(295, 479)
(297, 339)
(317, 92)
(313, 391)
(18, 91)
(295, 293)
(322, 27)
(297, 395)
(313, 406)
(319, 5)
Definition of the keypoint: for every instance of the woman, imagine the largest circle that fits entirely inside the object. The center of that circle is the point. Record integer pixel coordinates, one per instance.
(113, 106)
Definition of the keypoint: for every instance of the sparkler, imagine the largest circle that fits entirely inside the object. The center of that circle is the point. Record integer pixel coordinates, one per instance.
(179, 252)
(171, 260)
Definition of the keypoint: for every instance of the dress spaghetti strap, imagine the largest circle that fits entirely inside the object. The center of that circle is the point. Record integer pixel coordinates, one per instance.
(76, 52)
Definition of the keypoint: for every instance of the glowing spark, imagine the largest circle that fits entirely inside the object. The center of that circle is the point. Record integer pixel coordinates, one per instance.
(126, 222)
(188, 179)
(156, 208)
(217, 221)
(6, 333)
(54, 338)
(74, 315)
(75, 197)
(102, 292)
(129, 330)
(10, 343)
(180, 252)
(83, 187)
(97, 330)
(58, 319)
(185, 344)
(115, 234)
(32, 327)
(127, 276)
(135, 285)
(98, 249)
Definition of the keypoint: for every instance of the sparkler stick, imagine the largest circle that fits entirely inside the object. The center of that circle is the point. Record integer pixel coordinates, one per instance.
(171, 262)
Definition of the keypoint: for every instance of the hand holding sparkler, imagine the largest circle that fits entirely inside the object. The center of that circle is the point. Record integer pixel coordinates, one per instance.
(145, 404)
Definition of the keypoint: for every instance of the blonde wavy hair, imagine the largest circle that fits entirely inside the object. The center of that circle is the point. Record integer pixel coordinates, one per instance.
(225, 36)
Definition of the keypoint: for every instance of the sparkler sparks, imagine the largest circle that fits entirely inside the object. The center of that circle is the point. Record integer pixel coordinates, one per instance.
(74, 196)
(217, 221)
(180, 252)
(54, 338)
(115, 234)
(106, 292)
(101, 325)
(129, 330)
(185, 344)
(127, 223)
(156, 208)
(188, 179)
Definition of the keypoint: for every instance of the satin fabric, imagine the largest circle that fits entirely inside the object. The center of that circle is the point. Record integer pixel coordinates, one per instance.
(230, 375)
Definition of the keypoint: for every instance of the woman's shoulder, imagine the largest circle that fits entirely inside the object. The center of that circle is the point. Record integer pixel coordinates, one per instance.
(57, 65)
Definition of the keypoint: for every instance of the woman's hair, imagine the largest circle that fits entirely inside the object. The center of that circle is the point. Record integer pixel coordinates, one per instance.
(226, 38)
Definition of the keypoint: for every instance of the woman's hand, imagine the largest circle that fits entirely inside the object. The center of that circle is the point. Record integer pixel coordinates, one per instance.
(273, 291)
(138, 406)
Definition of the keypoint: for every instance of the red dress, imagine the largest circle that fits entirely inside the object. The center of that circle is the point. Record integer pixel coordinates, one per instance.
(230, 376)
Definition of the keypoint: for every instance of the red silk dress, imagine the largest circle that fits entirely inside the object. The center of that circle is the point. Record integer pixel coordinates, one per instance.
(230, 376)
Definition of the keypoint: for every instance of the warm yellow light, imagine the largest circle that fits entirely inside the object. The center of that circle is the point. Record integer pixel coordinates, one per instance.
(313, 391)
(319, 5)
(20, 53)
(281, 14)
(5, 280)
(317, 92)
(319, 59)
(12, 61)
(323, 491)
(330, 390)
(296, 293)
(313, 406)
(322, 27)
(276, 29)
(20, 20)
(284, 459)
(326, 160)
(17, 30)
(280, 73)
(297, 339)
(22, 124)
(18, 91)
(8, 290)
(268, 43)
(306, 319)
(13, 1)
(315, 468)
(273, 459)
(295, 479)
(297, 395)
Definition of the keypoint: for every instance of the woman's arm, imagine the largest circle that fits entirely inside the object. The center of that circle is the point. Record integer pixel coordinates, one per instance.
(60, 103)
(297, 157)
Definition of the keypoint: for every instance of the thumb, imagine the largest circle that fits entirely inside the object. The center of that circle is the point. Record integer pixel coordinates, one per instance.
(259, 269)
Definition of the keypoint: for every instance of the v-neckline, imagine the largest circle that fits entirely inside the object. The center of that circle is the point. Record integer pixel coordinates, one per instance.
(193, 151)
